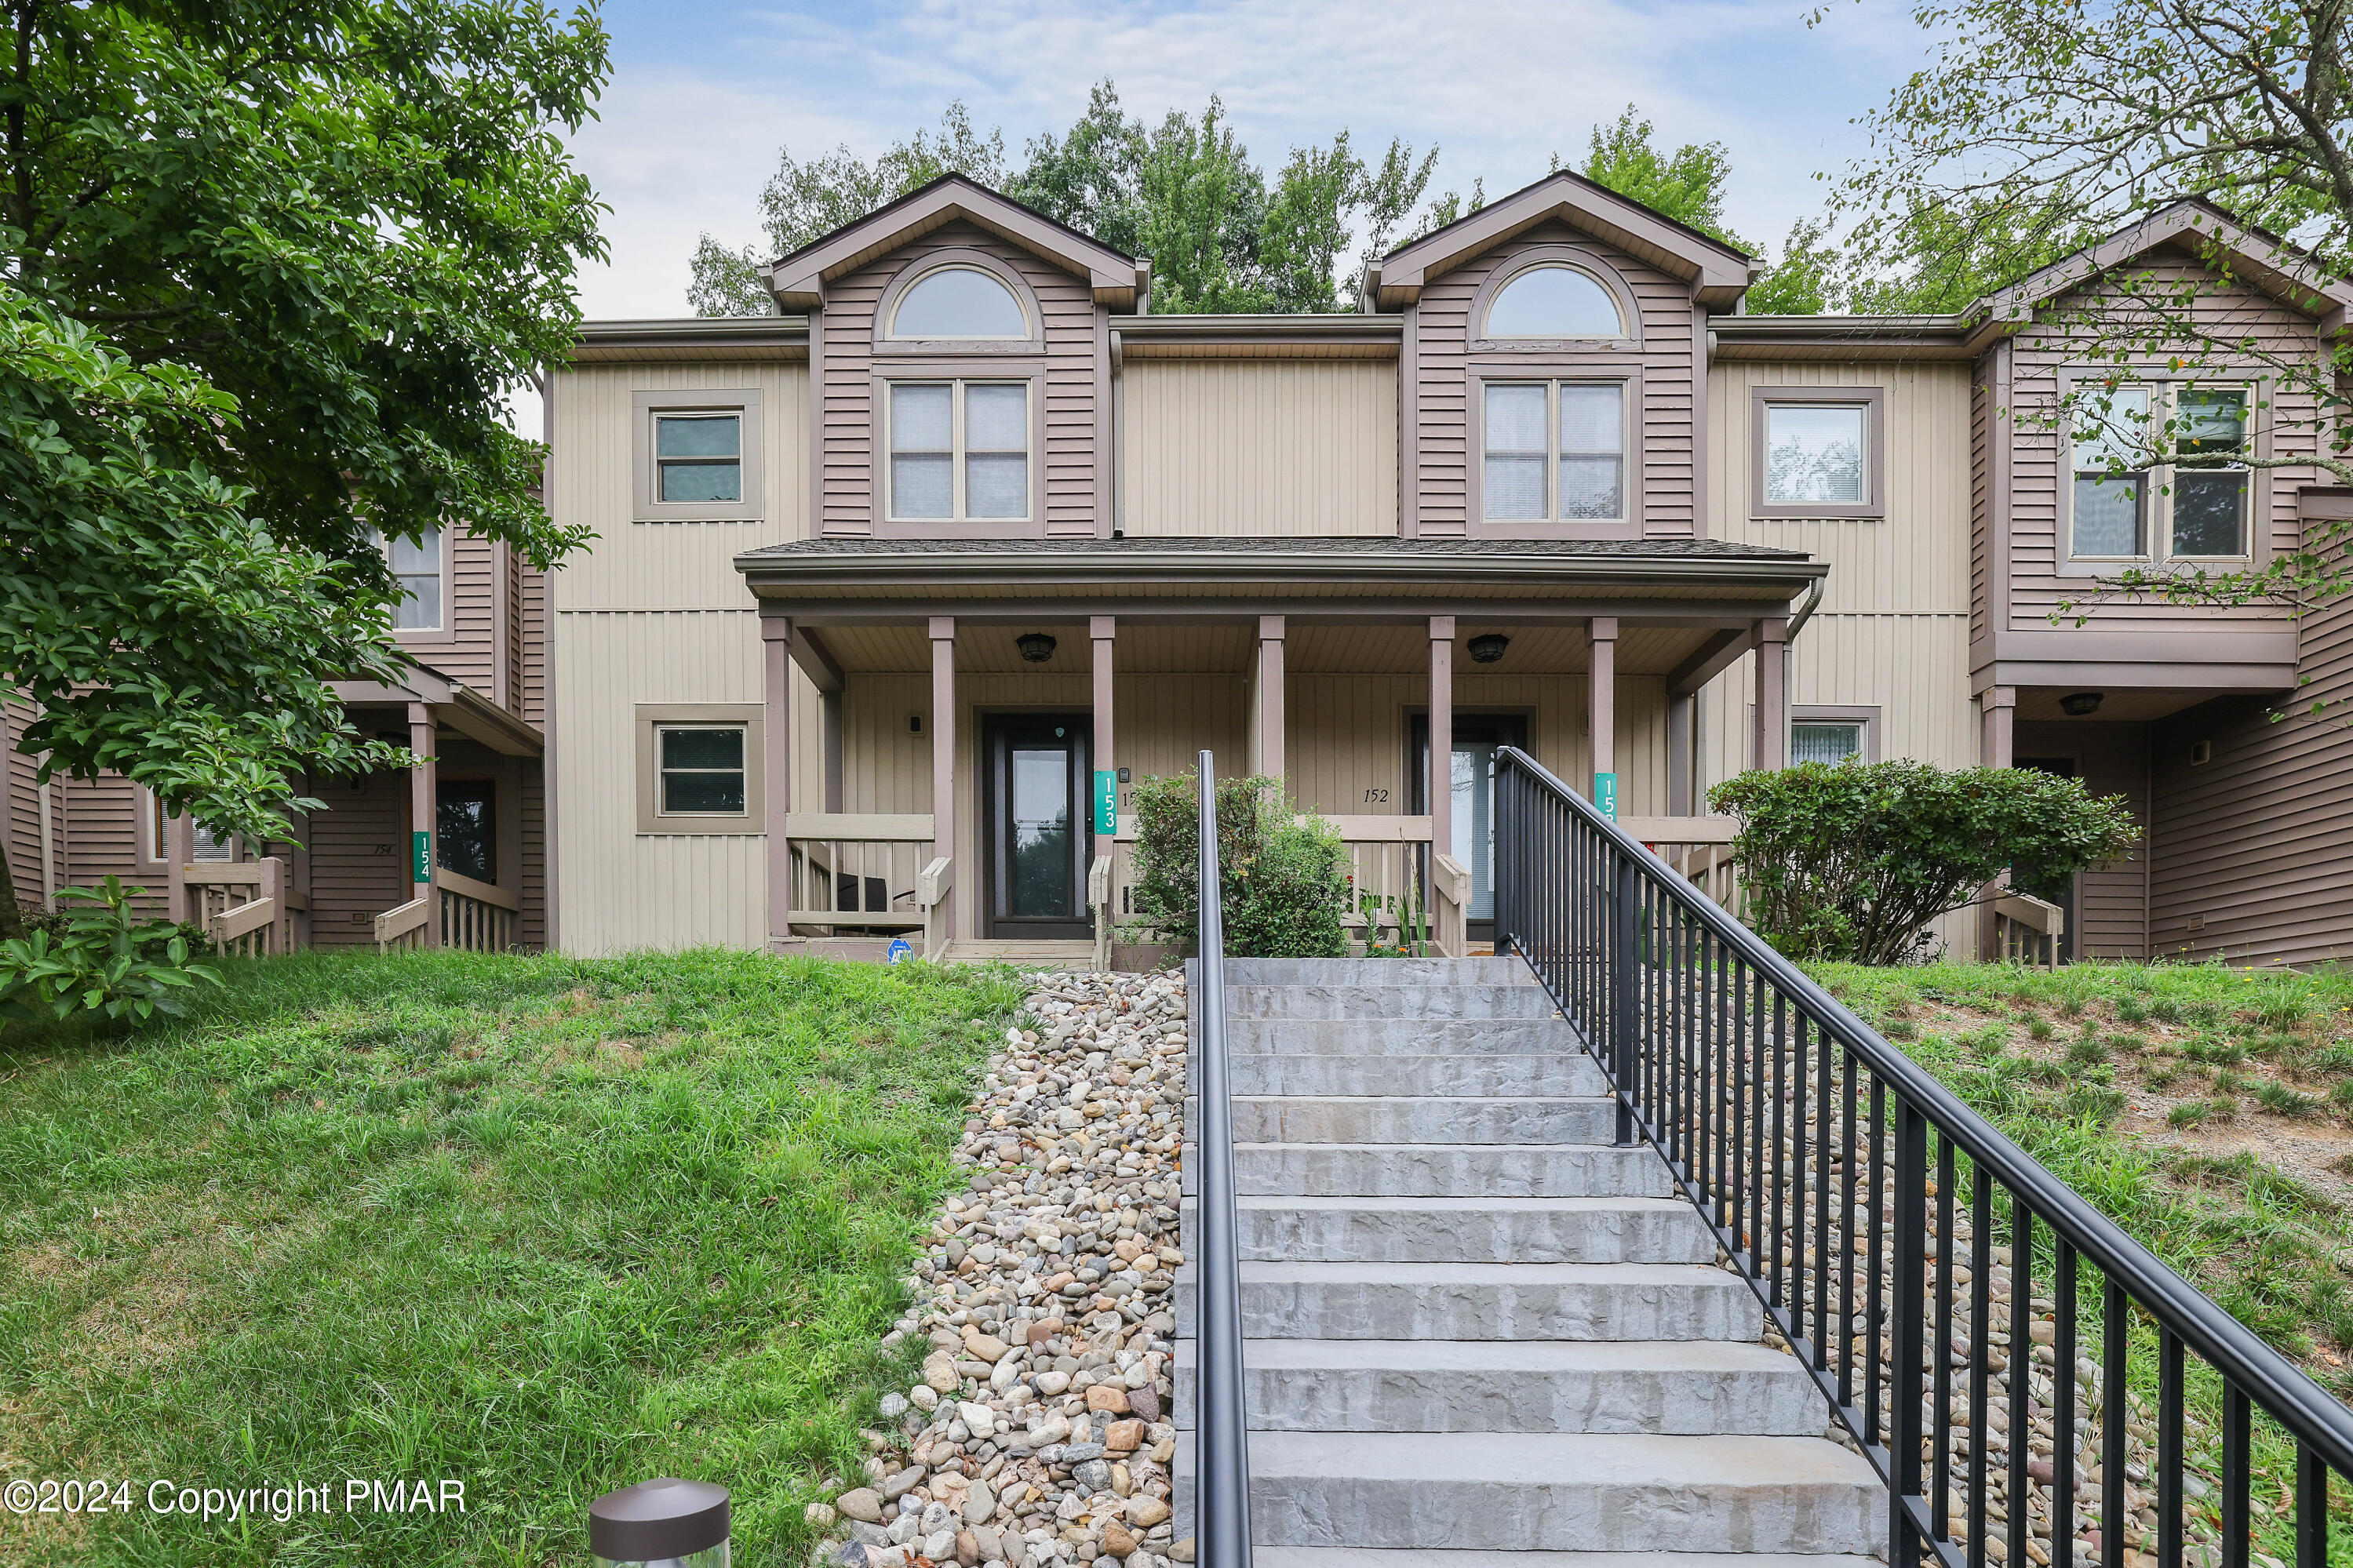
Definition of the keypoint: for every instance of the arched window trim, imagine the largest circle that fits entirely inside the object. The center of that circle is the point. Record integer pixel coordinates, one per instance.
(1576, 259)
(923, 267)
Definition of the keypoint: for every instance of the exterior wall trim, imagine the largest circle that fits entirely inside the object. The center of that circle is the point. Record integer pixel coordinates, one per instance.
(1873, 400)
(750, 822)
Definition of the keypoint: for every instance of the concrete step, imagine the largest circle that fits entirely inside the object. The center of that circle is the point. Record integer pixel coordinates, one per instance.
(1551, 1074)
(1702, 1388)
(1443, 1170)
(1487, 1301)
(1388, 1002)
(1378, 1118)
(1397, 1037)
(1378, 971)
(1518, 1492)
(1441, 1557)
(1517, 1231)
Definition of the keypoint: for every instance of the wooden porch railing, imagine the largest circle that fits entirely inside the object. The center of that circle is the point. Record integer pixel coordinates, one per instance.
(1699, 849)
(2028, 930)
(869, 870)
(243, 906)
(473, 917)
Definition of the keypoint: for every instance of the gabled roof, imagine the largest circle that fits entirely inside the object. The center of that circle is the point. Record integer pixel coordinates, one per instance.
(2286, 272)
(798, 280)
(1717, 272)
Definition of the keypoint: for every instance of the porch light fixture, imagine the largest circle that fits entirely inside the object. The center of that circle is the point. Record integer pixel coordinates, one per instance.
(2078, 704)
(1488, 647)
(673, 1523)
(1036, 647)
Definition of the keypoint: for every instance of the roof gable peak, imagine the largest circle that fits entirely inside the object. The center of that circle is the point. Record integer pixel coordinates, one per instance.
(798, 280)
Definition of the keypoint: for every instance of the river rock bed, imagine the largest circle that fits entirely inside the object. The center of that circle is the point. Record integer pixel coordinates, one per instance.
(1041, 1433)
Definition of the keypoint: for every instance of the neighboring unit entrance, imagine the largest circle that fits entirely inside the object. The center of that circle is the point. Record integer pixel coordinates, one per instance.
(1033, 806)
(2060, 891)
(1476, 736)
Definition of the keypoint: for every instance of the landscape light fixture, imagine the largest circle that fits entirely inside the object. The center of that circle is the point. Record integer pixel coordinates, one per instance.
(1488, 647)
(665, 1523)
(1036, 647)
(2078, 704)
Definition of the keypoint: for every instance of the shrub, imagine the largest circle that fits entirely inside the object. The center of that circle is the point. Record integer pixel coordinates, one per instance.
(1285, 881)
(1853, 861)
(102, 958)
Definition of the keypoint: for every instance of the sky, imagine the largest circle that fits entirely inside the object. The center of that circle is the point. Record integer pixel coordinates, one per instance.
(704, 92)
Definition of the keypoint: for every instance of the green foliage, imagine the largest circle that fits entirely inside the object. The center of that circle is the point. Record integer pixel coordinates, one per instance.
(1285, 882)
(271, 273)
(102, 960)
(1853, 860)
(1686, 184)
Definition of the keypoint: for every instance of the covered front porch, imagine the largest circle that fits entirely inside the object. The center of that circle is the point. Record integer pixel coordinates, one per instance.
(1030, 685)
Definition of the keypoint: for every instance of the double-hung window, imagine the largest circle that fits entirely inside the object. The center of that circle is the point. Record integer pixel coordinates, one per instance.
(959, 449)
(1555, 450)
(2126, 506)
(697, 458)
(701, 770)
(416, 567)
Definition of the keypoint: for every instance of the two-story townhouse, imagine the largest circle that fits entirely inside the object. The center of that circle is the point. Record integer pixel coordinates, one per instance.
(895, 593)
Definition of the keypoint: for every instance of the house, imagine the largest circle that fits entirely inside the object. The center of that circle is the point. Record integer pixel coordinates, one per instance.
(897, 592)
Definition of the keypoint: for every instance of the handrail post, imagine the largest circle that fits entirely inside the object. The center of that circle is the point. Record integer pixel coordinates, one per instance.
(1222, 1522)
(1910, 1222)
(1624, 965)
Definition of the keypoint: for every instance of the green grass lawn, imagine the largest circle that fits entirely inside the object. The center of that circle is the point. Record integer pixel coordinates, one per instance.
(2208, 1111)
(541, 1225)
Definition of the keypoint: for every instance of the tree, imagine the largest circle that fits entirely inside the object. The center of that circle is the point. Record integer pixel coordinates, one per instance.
(2043, 121)
(1686, 184)
(1221, 234)
(268, 271)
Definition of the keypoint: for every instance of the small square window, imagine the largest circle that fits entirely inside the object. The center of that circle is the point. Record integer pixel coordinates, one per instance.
(699, 456)
(1814, 454)
(703, 770)
(1824, 742)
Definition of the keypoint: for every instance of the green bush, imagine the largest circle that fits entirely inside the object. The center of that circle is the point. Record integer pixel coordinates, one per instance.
(102, 960)
(1853, 861)
(1286, 880)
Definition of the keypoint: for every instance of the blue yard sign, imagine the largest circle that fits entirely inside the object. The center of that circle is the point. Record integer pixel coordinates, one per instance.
(1106, 802)
(899, 950)
(1605, 794)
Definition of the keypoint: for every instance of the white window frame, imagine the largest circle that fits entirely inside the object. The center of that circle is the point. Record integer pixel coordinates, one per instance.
(1551, 264)
(2158, 480)
(440, 629)
(646, 407)
(1552, 384)
(899, 299)
(958, 509)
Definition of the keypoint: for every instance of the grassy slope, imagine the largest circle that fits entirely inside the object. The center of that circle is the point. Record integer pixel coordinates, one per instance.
(539, 1225)
(2089, 1067)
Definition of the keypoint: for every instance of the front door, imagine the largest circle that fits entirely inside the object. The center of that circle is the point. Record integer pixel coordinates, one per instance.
(1476, 738)
(1034, 808)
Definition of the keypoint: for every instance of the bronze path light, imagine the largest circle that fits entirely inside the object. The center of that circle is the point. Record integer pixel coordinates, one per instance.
(664, 1523)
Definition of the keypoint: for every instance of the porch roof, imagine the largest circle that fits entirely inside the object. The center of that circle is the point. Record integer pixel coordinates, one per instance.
(1323, 565)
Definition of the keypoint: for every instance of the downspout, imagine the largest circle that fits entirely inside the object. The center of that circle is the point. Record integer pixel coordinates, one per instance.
(1118, 437)
(1813, 601)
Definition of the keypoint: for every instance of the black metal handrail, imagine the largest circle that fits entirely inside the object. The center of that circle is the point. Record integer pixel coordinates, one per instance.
(1221, 1492)
(1767, 1098)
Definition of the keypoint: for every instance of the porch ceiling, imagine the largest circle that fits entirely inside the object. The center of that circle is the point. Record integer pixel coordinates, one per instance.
(991, 650)
(2041, 704)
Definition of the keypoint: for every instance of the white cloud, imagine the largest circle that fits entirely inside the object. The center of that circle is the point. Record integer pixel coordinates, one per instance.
(1499, 85)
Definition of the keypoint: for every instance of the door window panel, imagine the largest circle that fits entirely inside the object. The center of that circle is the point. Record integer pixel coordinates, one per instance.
(1040, 852)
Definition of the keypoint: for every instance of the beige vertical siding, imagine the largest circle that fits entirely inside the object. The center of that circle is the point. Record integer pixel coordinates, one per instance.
(1073, 336)
(2042, 474)
(653, 612)
(1260, 446)
(1441, 325)
(2258, 839)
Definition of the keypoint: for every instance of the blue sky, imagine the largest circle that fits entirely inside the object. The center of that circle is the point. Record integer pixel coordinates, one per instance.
(703, 92)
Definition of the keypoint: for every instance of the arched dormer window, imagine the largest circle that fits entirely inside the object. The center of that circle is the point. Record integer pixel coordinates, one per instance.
(1553, 301)
(959, 302)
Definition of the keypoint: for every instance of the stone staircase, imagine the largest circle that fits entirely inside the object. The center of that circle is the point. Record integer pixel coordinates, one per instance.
(1476, 1335)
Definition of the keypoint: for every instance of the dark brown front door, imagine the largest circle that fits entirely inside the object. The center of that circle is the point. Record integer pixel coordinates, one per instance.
(1034, 813)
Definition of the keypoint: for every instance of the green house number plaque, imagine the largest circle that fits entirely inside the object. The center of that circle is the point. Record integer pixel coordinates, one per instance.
(1106, 801)
(420, 857)
(1605, 794)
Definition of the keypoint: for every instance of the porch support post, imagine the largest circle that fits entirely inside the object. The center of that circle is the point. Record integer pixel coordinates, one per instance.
(777, 764)
(1440, 782)
(944, 750)
(424, 811)
(1602, 638)
(1996, 711)
(1681, 801)
(1267, 753)
(1104, 630)
(1770, 746)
